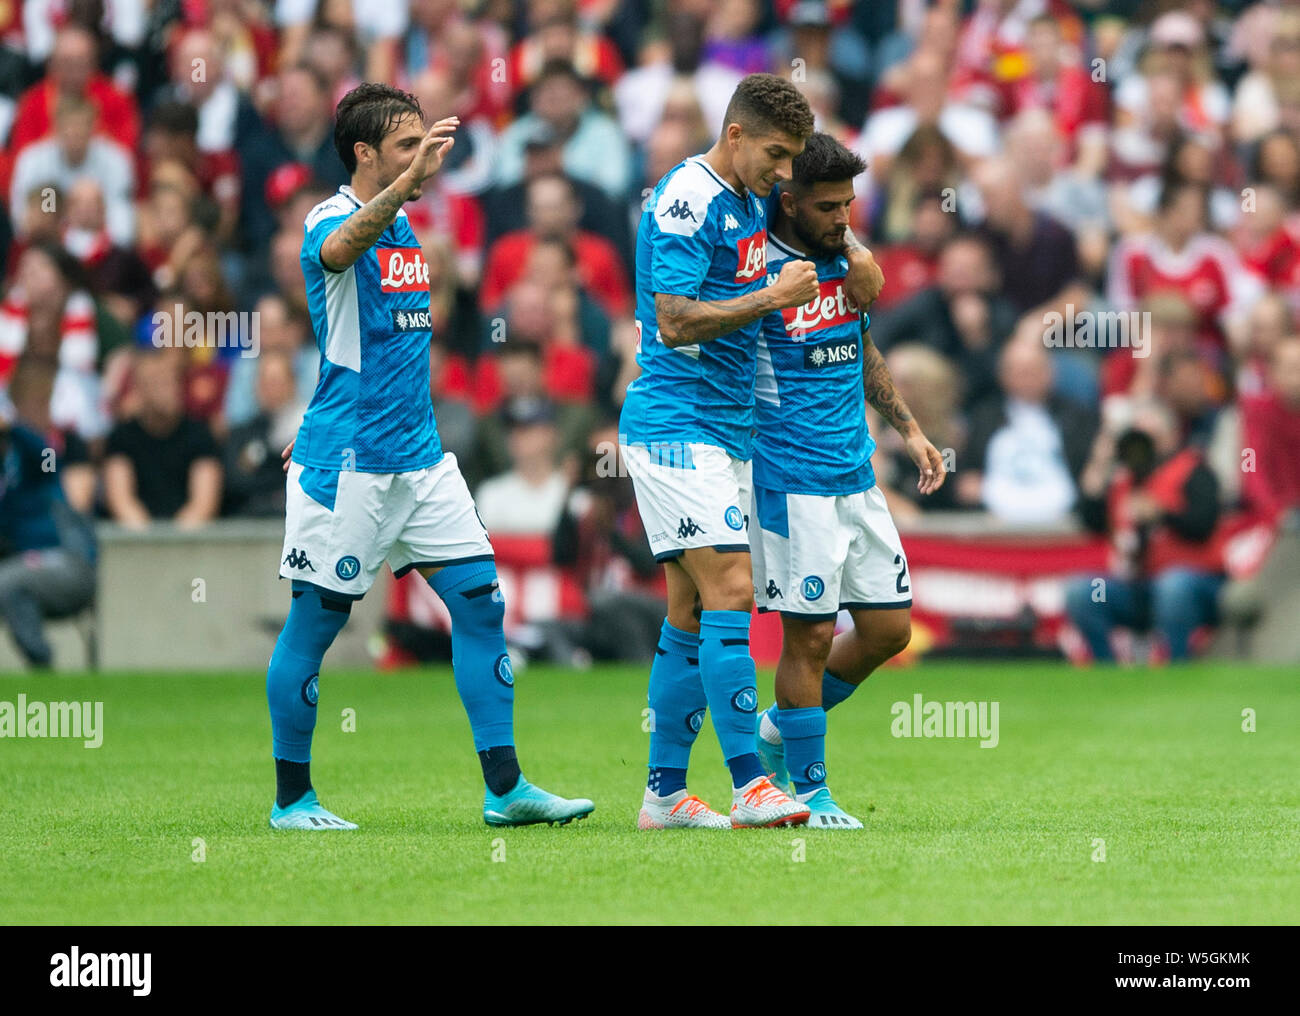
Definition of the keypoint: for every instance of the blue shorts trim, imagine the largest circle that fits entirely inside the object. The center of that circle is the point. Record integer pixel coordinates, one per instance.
(398, 573)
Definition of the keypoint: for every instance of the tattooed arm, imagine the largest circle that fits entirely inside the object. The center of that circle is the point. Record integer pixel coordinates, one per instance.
(363, 227)
(684, 321)
(865, 280)
(883, 397)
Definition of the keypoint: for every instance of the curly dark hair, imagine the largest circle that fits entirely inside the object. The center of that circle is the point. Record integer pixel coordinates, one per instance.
(824, 160)
(369, 113)
(764, 102)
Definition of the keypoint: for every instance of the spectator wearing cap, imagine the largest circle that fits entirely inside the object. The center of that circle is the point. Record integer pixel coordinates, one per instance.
(553, 213)
(161, 465)
(594, 149)
(72, 154)
(527, 499)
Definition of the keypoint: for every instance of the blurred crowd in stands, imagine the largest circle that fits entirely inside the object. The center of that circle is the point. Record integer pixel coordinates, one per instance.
(1029, 161)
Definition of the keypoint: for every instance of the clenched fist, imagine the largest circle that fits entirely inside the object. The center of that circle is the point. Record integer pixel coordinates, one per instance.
(797, 284)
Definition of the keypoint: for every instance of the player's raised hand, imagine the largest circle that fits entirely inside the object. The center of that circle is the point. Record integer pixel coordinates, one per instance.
(434, 147)
(797, 284)
(928, 461)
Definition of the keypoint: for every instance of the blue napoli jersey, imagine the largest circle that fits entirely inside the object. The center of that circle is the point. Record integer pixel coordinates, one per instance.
(810, 408)
(371, 411)
(699, 238)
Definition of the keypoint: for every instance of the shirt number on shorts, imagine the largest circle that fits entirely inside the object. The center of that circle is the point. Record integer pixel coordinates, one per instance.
(899, 584)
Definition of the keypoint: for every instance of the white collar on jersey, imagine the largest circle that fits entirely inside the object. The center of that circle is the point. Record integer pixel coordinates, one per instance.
(347, 189)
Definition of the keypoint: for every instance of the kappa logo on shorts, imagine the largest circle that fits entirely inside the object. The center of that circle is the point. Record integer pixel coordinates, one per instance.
(813, 587)
(504, 670)
(773, 590)
(745, 700)
(734, 518)
(298, 559)
(311, 690)
(695, 721)
(687, 527)
(347, 568)
(816, 773)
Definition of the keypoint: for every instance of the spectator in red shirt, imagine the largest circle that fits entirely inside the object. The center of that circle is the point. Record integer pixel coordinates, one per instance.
(553, 212)
(1271, 430)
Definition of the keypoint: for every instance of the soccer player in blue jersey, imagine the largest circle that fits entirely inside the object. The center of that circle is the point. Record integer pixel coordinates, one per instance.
(686, 436)
(368, 482)
(824, 540)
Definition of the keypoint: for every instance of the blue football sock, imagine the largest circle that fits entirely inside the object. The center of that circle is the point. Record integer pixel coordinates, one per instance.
(804, 734)
(677, 706)
(485, 679)
(292, 676)
(727, 672)
(835, 691)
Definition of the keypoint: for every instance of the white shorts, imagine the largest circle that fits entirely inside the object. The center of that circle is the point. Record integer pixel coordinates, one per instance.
(340, 527)
(690, 495)
(815, 555)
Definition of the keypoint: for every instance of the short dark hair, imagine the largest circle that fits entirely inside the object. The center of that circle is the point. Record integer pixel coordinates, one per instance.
(824, 160)
(764, 103)
(369, 113)
(172, 117)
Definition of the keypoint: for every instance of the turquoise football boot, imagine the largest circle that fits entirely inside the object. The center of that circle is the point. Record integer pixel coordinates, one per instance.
(824, 813)
(528, 805)
(307, 813)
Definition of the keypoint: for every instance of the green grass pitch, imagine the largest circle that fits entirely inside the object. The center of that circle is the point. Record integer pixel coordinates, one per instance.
(1199, 819)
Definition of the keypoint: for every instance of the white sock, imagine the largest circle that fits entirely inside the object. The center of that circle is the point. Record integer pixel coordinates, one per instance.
(767, 730)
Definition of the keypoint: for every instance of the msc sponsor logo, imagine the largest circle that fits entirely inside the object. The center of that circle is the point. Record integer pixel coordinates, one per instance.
(734, 518)
(830, 354)
(813, 587)
(751, 256)
(404, 270)
(411, 321)
(745, 700)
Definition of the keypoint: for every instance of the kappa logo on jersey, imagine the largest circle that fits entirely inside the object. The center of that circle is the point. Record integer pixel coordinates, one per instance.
(679, 209)
(404, 268)
(830, 354)
(751, 256)
(829, 309)
(730, 222)
(411, 321)
(298, 559)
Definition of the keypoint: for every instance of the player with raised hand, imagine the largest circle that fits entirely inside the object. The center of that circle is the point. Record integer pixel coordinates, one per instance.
(686, 436)
(368, 481)
(823, 539)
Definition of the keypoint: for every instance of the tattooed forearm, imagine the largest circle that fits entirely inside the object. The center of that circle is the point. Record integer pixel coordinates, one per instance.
(362, 228)
(881, 394)
(683, 321)
(851, 242)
